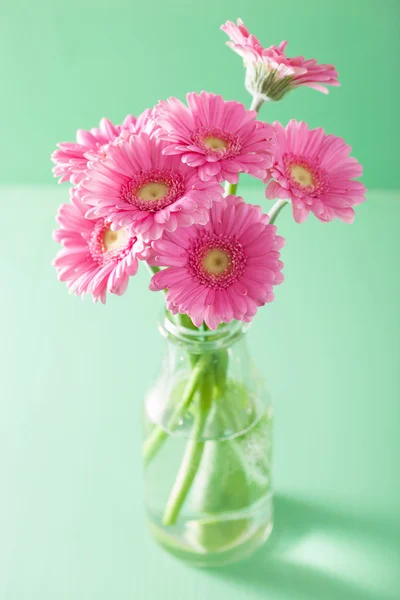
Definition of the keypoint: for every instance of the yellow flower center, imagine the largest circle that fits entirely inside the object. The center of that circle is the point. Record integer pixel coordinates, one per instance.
(151, 192)
(115, 239)
(215, 143)
(216, 262)
(302, 176)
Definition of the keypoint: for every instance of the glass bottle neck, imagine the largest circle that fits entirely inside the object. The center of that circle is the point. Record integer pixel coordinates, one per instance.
(200, 340)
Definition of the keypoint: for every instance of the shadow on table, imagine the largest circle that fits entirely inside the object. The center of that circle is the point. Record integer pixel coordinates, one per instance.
(282, 567)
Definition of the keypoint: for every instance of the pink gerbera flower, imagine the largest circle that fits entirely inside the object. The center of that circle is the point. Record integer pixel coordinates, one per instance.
(138, 186)
(242, 41)
(270, 73)
(219, 138)
(71, 159)
(94, 258)
(222, 271)
(315, 172)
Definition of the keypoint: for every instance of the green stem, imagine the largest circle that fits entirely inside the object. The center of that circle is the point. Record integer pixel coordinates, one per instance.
(192, 457)
(257, 102)
(276, 209)
(230, 188)
(220, 363)
(152, 270)
(186, 321)
(158, 435)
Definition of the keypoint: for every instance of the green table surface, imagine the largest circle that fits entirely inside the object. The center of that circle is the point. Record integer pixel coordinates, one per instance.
(72, 384)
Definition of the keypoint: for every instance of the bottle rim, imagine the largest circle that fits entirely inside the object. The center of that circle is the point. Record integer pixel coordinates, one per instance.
(200, 340)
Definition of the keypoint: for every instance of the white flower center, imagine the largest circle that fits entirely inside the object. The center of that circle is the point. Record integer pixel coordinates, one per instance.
(115, 239)
(216, 262)
(151, 192)
(302, 176)
(215, 143)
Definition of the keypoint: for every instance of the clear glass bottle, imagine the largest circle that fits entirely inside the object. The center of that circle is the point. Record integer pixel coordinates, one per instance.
(207, 447)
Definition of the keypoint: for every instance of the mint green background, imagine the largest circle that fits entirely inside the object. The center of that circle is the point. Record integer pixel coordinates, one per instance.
(65, 65)
(73, 375)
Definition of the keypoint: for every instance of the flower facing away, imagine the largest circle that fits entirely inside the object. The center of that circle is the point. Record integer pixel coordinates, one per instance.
(71, 158)
(315, 172)
(94, 259)
(138, 187)
(219, 138)
(270, 73)
(222, 271)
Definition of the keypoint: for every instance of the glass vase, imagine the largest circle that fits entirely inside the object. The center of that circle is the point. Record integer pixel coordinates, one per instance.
(207, 446)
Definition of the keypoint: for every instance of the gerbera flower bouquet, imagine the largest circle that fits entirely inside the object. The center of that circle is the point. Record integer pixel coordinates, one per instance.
(160, 191)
